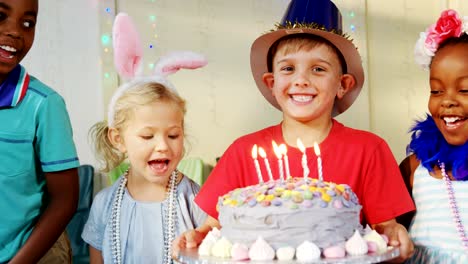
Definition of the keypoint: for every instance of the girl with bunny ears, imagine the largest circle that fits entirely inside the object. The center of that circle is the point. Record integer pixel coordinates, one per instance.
(436, 172)
(136, 219)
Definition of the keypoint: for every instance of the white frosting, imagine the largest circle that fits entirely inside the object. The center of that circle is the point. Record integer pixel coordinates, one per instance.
(261, 250)
(307, 251)
(285, 253)
(205, 248)
(375, 237)
(222, 248)
(356, 245)
(213, 235)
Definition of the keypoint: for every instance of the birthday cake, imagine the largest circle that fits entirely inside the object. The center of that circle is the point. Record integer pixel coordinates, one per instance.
(286, 218)
(290, 212)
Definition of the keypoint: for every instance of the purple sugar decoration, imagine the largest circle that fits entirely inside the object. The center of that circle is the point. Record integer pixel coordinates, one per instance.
(345, 203)
(323, 204)
(252, 202)
(276, 202)
(307, 203)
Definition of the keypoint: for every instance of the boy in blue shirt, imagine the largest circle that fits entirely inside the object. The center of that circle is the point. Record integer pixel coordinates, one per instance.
(38, 161)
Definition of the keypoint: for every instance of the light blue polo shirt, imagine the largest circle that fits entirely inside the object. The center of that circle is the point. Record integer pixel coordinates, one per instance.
(35, 137)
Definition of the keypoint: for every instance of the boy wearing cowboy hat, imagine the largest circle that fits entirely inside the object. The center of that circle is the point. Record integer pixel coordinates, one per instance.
(311, 72)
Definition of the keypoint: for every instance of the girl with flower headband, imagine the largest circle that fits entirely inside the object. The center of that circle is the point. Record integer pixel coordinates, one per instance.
(437, 169)
(136, 219)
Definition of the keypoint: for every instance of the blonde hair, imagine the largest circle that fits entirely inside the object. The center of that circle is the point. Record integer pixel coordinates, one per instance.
(140, 94)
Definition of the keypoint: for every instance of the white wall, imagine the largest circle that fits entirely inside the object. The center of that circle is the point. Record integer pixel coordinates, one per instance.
(65, 55)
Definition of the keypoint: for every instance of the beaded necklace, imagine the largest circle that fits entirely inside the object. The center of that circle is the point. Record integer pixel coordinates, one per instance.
(454, 207)
(170, 218)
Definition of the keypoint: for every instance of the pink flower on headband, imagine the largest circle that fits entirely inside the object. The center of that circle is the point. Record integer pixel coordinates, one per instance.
(448, 25)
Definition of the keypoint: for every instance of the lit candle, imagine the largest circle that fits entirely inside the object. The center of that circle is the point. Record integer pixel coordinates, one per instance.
(284, 152)
(262, 153)
(257, 166)
(278, 154)
(305, 168)
(319, 160)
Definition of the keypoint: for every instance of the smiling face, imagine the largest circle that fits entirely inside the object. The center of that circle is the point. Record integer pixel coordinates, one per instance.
(306, 80)
(153, 139)
(448, 103)
(17, 28)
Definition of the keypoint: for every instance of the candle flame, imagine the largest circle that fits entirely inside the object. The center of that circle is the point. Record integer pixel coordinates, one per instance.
(254, 152)
(316, 149)
(300, 145)
(276, 149)
(283, 149)
(262, 153)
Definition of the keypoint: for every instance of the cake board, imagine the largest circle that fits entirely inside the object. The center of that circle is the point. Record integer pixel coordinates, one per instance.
(190, 256)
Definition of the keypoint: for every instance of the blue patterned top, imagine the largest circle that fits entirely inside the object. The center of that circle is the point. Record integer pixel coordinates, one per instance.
(433, 230)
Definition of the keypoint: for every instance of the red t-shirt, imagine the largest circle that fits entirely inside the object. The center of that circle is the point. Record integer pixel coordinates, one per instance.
(349, 156)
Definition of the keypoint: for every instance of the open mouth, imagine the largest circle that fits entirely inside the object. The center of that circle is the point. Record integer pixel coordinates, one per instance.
(453, 121)
(159, 165)
(7, 52)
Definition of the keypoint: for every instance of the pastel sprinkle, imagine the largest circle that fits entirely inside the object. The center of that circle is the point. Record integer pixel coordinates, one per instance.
(325, 197)
(307, 203)
(337, 204)
(276, 202)
(293, 206)
(308, 195)
(340, 187)
(252, 203)
(260, 198)
(323, 204)
(297, 199)
(286, 194)
(346, 195)
(346, 203)
(269, 197)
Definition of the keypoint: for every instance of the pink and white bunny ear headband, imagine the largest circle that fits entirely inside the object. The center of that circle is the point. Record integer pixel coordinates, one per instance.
(128, 54)
(449, 24)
